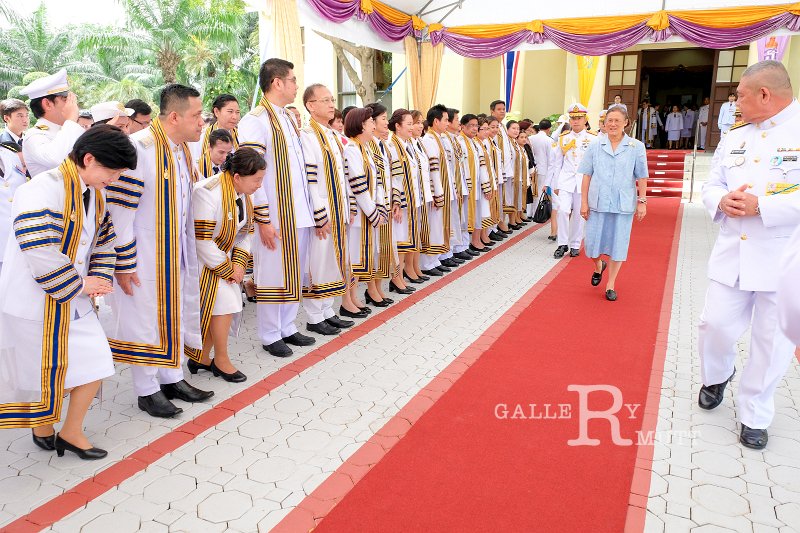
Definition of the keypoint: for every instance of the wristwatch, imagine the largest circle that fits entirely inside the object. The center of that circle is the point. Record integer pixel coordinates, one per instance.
(642, 199)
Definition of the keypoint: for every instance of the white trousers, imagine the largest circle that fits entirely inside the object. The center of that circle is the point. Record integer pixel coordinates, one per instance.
(570, 221)
(318, 309)
(701, 141)
(465, 237)
(276, 321)
(726, 316)
(427, 262)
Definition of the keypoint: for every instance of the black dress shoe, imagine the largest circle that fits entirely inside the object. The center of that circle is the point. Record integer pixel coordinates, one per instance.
(574, 252)
(464, 256)
(475, 251)
(337, 322)
(432, 272)
(183, 391)
(412, 280)
(552, 238)
(234, 377)
(365, 309)
(755, 439)
(515, 227)
(424, 278)
(158, 405)
(560, 251)
(452, 262)
(194, 366)
(598, 276)
(368, 298)
(395, 288)
(489, 244)
(298, 339)
(457, 260)
(278, 349)
(323, 328)
(442, 268)
(90, 454)
(46, 443)
(711, 396)
(495, 237)
(385, 299)
(351, 314)
(611, 295)
(525, 220)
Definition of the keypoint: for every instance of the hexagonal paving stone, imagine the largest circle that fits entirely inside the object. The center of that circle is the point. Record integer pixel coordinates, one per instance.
(367, 394)
(271, 469)
(340, 415)
(224, 506)
(18, 488)
(170, 488)
(789, 513)
(787, 477)
(310, 440)
(720, 500)
(220, 455)
(130, 429)
(718, 464)
(294, 405)
(323, 385)
(118, 522)
(259, 428)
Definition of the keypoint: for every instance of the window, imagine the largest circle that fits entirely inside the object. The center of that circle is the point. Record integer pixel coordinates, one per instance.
(622, 69)
(731, 65)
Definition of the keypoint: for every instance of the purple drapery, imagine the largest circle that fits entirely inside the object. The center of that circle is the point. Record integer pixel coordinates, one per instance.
(339, 12)
(481, 48)
(598, 45)
(731, 37)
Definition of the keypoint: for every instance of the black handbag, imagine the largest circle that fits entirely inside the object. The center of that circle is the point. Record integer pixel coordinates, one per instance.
(543, 210)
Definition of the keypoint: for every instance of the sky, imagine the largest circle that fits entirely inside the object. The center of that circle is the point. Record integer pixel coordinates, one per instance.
(61, 13)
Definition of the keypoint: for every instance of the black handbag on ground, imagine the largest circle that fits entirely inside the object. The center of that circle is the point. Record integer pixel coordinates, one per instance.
(543, 210)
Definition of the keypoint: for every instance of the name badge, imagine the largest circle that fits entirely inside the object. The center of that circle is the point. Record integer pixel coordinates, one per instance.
(735, 152)
(782, 188)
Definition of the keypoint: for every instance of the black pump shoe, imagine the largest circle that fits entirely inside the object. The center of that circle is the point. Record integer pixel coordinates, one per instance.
(395, 288)
(412, 280)
(369, 300)
(90, 454)
(194, 366)
(351, 314)
(233, 377)
(47, 443)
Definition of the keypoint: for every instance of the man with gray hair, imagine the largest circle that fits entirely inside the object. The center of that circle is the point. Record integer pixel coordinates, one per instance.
(753, 194)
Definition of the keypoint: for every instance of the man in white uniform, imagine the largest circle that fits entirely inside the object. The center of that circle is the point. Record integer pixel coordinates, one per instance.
(156, 314)
(542, 146)
(460, 231)
(752, 194)
(789, 290)
(12, 175)
(505, 175)
(727, 114)
(566, 182)
(283, 213)
(56, 109)
(702, 117)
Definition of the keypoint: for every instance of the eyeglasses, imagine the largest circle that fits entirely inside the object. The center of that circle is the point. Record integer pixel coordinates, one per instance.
(146, 123)
(292, 79)
(483, 128)
(323, 100)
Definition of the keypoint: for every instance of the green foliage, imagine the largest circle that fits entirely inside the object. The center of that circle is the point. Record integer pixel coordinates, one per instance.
(209, 44)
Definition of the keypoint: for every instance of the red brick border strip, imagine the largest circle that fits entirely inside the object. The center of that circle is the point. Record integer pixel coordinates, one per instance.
(80, 495)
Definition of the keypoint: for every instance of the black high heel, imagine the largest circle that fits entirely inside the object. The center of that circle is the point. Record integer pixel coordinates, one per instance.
(395, 288)
(412, 280)
(350, 314)
(46, 443)
(489, 244)
(90, 454)
(194, 366)
(369, 300)
(234, 377)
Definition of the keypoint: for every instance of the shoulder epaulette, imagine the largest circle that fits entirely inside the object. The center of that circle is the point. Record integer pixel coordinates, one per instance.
(212, 183)
(11, 146)
(43, 127)
(739, 125)
(591, 132)
(257, 110)
(147, 140)
(564, 133)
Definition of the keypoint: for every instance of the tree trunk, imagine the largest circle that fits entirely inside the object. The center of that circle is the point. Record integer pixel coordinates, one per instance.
(365, 82)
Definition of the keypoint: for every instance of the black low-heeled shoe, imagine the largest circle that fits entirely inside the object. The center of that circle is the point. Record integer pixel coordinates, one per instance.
(369, 300)
(351, 314)
(365, 309)
(194, 366)
(423, 277)
(489, 244)
(412, 280)
(233, 377)
(597, 277)
(47, 443)
(611, 295)
(395, 288)
(88, 455)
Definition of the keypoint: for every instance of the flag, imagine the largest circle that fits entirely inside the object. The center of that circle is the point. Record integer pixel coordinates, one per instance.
(510, 68)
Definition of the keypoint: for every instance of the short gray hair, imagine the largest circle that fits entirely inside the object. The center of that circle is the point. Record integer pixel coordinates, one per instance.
(618, 108)
(771, 74)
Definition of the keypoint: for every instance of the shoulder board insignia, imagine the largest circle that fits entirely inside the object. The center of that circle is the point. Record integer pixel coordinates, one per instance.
(554, 145)
(11, 146)
(564, 133)
(212, 183)
(739, 125)
(147, 141)
(257, 110)
(43, 127)
(592, 133)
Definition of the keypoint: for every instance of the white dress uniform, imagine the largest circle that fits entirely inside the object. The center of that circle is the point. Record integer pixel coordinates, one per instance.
(674, 126)
(37, 266)
(564, 177)
(438, 212)
(47, 144)
(284, 202)
(744, 267)
(649, 121)
(12, 176)
(702, 116)
(688, 124)
(328, 259)
(542, 145)
(153, 218)
(727, 117)
(789, 290)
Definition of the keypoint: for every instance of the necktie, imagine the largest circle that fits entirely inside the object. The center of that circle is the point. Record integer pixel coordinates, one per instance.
(19, 142)
(215, 168)
(240, 208)
(86, 198)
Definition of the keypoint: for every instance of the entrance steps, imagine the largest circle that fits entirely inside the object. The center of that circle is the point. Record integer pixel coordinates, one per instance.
(670, 172)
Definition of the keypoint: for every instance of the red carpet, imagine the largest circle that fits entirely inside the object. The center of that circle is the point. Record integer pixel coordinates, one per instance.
(460, 468)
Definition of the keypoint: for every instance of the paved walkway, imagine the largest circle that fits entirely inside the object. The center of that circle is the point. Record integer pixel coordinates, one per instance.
(246, 472)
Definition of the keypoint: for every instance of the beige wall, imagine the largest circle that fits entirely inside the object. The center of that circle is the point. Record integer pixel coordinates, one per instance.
(572, 92)
(540, 90)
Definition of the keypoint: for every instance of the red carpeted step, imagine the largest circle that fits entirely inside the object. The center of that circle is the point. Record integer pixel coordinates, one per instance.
(463, 467)
(666, 174)
(657, 182)
(664, 192)
(658, 164)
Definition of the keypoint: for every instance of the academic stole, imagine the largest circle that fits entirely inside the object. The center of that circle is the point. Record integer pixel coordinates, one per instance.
(336, 204)
(518, 178)
(291, 265)
(444, 174)
(494, 212)
(472, 183)
(386, 257)
(412, 245)
(457, 154)
(646, 123)
(210, 278)
(364, 270)
(57, 316)
(424, 228)
(205, 165)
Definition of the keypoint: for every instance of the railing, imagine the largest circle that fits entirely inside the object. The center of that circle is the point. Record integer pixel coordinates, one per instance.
(694, 157)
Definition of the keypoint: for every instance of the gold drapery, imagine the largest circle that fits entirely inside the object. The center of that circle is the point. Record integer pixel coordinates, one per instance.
(424, 63)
